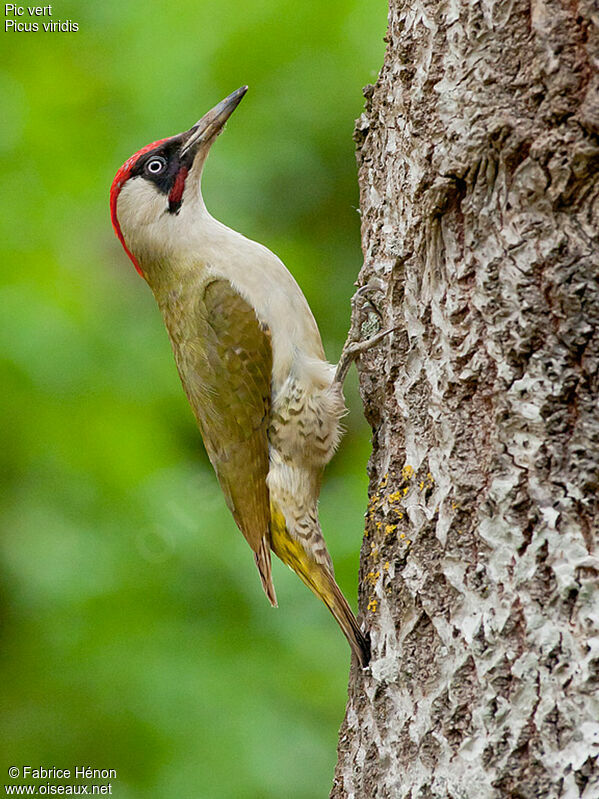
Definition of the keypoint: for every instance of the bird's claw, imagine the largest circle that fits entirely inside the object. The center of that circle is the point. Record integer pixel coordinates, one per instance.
(353, 349)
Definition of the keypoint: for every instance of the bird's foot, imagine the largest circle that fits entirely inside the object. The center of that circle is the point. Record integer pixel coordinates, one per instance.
(353, 349)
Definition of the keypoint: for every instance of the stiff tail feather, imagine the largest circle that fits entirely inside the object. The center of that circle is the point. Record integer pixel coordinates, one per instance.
(318, 578)
(322, 583)
(262, 558)
(339, 607)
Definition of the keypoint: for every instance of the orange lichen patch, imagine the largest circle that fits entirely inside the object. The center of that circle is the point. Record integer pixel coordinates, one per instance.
(373, 502)
(373, 505)
(390, 528)
(373, 605)
(407, 472)
(386, 566)
(372, 577)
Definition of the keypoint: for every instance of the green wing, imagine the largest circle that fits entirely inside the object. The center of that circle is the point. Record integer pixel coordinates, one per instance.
(226, 369)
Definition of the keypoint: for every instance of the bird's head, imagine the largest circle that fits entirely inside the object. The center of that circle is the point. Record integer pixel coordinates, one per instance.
(157, 188)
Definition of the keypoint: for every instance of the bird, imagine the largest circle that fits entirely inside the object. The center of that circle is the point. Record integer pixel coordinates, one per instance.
(249, 354)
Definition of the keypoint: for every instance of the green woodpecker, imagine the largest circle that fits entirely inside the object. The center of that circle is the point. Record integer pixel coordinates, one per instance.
(249, 355)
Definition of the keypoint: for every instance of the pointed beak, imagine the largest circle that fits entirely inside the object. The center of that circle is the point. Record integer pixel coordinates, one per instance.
(210, 125)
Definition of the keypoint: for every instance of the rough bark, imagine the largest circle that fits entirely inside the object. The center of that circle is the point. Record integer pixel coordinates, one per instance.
(478, 162)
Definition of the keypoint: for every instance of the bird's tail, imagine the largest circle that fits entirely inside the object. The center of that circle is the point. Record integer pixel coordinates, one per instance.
(330, 593)
(262, 558)
(321, 582)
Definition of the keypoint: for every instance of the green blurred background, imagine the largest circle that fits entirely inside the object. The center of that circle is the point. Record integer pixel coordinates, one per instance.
(135, 634)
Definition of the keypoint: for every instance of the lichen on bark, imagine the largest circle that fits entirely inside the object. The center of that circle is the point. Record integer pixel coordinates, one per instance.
(478, 156)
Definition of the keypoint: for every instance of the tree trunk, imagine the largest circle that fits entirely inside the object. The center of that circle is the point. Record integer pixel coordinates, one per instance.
(479, 155)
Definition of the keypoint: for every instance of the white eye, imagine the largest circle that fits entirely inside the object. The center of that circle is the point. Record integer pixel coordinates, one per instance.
(156, 165)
